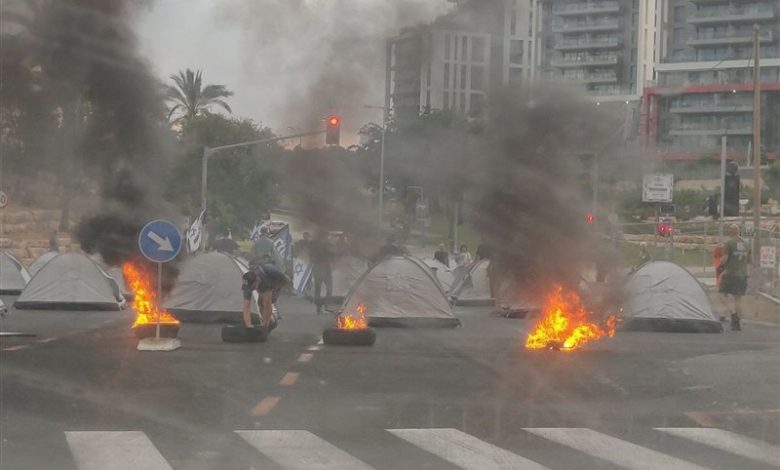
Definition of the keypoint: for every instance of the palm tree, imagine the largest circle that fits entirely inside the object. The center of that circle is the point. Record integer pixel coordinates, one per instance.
(190, 98)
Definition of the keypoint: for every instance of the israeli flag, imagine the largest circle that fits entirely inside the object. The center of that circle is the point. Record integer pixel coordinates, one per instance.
(195, 233)
(254, 235)
(301, 274)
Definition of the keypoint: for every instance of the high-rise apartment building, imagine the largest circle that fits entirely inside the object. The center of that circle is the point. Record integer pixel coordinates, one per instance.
(455, 62)
(605, 48)
(704, 87)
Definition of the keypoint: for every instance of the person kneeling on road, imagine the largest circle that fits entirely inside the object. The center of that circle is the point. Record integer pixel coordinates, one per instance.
(268, 281)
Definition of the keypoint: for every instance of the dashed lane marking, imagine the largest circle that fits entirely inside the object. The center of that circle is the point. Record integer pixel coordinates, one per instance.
(46, 340)
(316, 347)
(305, 357)
(16, 348)
(265, 406)
(289, 379)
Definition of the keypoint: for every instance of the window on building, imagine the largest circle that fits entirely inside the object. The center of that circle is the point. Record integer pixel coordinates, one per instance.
(477, 49)
(464, 48)
(446, 75)
(515, 51)
(445, 100)
(447, 47)
(477, 77)
(463, 77)
(513, 22)
(462, 104)
(679, 14)
(515, 76)
(477, 104)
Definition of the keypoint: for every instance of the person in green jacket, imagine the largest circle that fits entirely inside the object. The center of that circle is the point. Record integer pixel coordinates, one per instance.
(736, 257)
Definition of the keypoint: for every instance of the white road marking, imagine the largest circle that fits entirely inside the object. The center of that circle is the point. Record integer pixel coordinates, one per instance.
(117, 450)
(612, 449)
(305, 357)
(320, 342)
(301, 450)
(743, 446)
(464, 450)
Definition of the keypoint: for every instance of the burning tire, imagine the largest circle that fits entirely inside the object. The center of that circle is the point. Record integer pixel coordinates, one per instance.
(242, 334)
(149, 330)
(344, 337)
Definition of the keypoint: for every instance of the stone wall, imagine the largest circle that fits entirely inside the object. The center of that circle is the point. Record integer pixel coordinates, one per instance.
(25, 233)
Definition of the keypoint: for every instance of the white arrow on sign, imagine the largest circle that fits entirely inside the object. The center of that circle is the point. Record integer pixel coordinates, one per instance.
(163, 243)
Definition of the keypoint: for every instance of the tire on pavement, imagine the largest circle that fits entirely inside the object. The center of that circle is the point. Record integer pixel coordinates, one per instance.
(242, 334)
(342, 337)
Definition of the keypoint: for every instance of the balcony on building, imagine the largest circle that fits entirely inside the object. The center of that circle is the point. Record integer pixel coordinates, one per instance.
(711, 107)
(594, 77)
(585, 8)
(712, 39)
(711, 129)
(585, 43)
(581, 26)
(585, 60)
(733, 14)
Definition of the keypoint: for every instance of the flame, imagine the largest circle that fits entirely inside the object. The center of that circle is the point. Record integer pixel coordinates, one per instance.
(349, 322)
(566, 325)
(144, 300)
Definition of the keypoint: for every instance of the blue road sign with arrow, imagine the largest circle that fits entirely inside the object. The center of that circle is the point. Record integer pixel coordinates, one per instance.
(159, 241)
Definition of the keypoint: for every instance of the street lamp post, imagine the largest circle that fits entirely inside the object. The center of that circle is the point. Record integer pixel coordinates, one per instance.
(385, 111)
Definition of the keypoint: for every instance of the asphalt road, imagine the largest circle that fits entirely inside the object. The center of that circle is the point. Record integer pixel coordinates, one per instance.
(78, 395)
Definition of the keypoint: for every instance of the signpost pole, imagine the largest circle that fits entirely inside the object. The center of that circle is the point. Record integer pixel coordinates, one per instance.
(159, 298)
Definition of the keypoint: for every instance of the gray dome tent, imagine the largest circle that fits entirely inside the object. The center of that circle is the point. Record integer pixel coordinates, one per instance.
(41, 261)
(116, 274)
(13, 275)
(346, 271)
(472, 285)
(444, 274)
(400, 291)
(71, 281)
(664, 296)
(208, 289)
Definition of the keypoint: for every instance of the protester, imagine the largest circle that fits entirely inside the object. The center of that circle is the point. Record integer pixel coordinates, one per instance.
(390, 248)
(736, 256)
(301, 248)
(264, 248)
(463, 258)
(644, 255)
(268, 281)
(483, 251)
(441, 255)
(321, 257)
(342, 247)
(54, 243)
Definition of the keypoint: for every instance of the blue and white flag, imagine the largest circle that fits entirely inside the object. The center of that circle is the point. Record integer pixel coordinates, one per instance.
(195, 233)
(254, 235)
(283, 242)
(301, 274)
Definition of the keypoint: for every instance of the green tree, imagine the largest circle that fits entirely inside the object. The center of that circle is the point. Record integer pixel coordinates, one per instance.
(242, 182)
(191, 99)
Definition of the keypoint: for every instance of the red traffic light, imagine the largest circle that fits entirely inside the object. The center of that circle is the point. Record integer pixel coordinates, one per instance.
(590, 218)
(333, 129)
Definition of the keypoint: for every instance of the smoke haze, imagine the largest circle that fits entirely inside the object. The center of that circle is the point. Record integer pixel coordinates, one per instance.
(316, 57)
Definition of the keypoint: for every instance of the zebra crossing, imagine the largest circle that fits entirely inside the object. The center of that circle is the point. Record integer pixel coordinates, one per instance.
(305, 450)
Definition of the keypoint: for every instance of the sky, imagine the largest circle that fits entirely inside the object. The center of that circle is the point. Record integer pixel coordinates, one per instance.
(290, 63)
(177, 34)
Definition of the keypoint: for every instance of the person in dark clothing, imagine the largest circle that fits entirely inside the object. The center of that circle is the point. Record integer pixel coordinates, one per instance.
(441, 255)
(483, 251)
(54, 243)
(321, 257)
(268, 281)
(390, 248)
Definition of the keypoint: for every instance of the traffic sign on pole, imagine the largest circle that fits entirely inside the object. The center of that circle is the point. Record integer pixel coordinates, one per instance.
(159, 241)
(3, 199)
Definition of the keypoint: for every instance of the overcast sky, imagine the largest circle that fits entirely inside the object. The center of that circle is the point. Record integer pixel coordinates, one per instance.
(176, 34)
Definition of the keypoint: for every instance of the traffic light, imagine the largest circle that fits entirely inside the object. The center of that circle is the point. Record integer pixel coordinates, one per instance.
(332, 129)
(731, 196)
(590, 218)
(665, 229)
